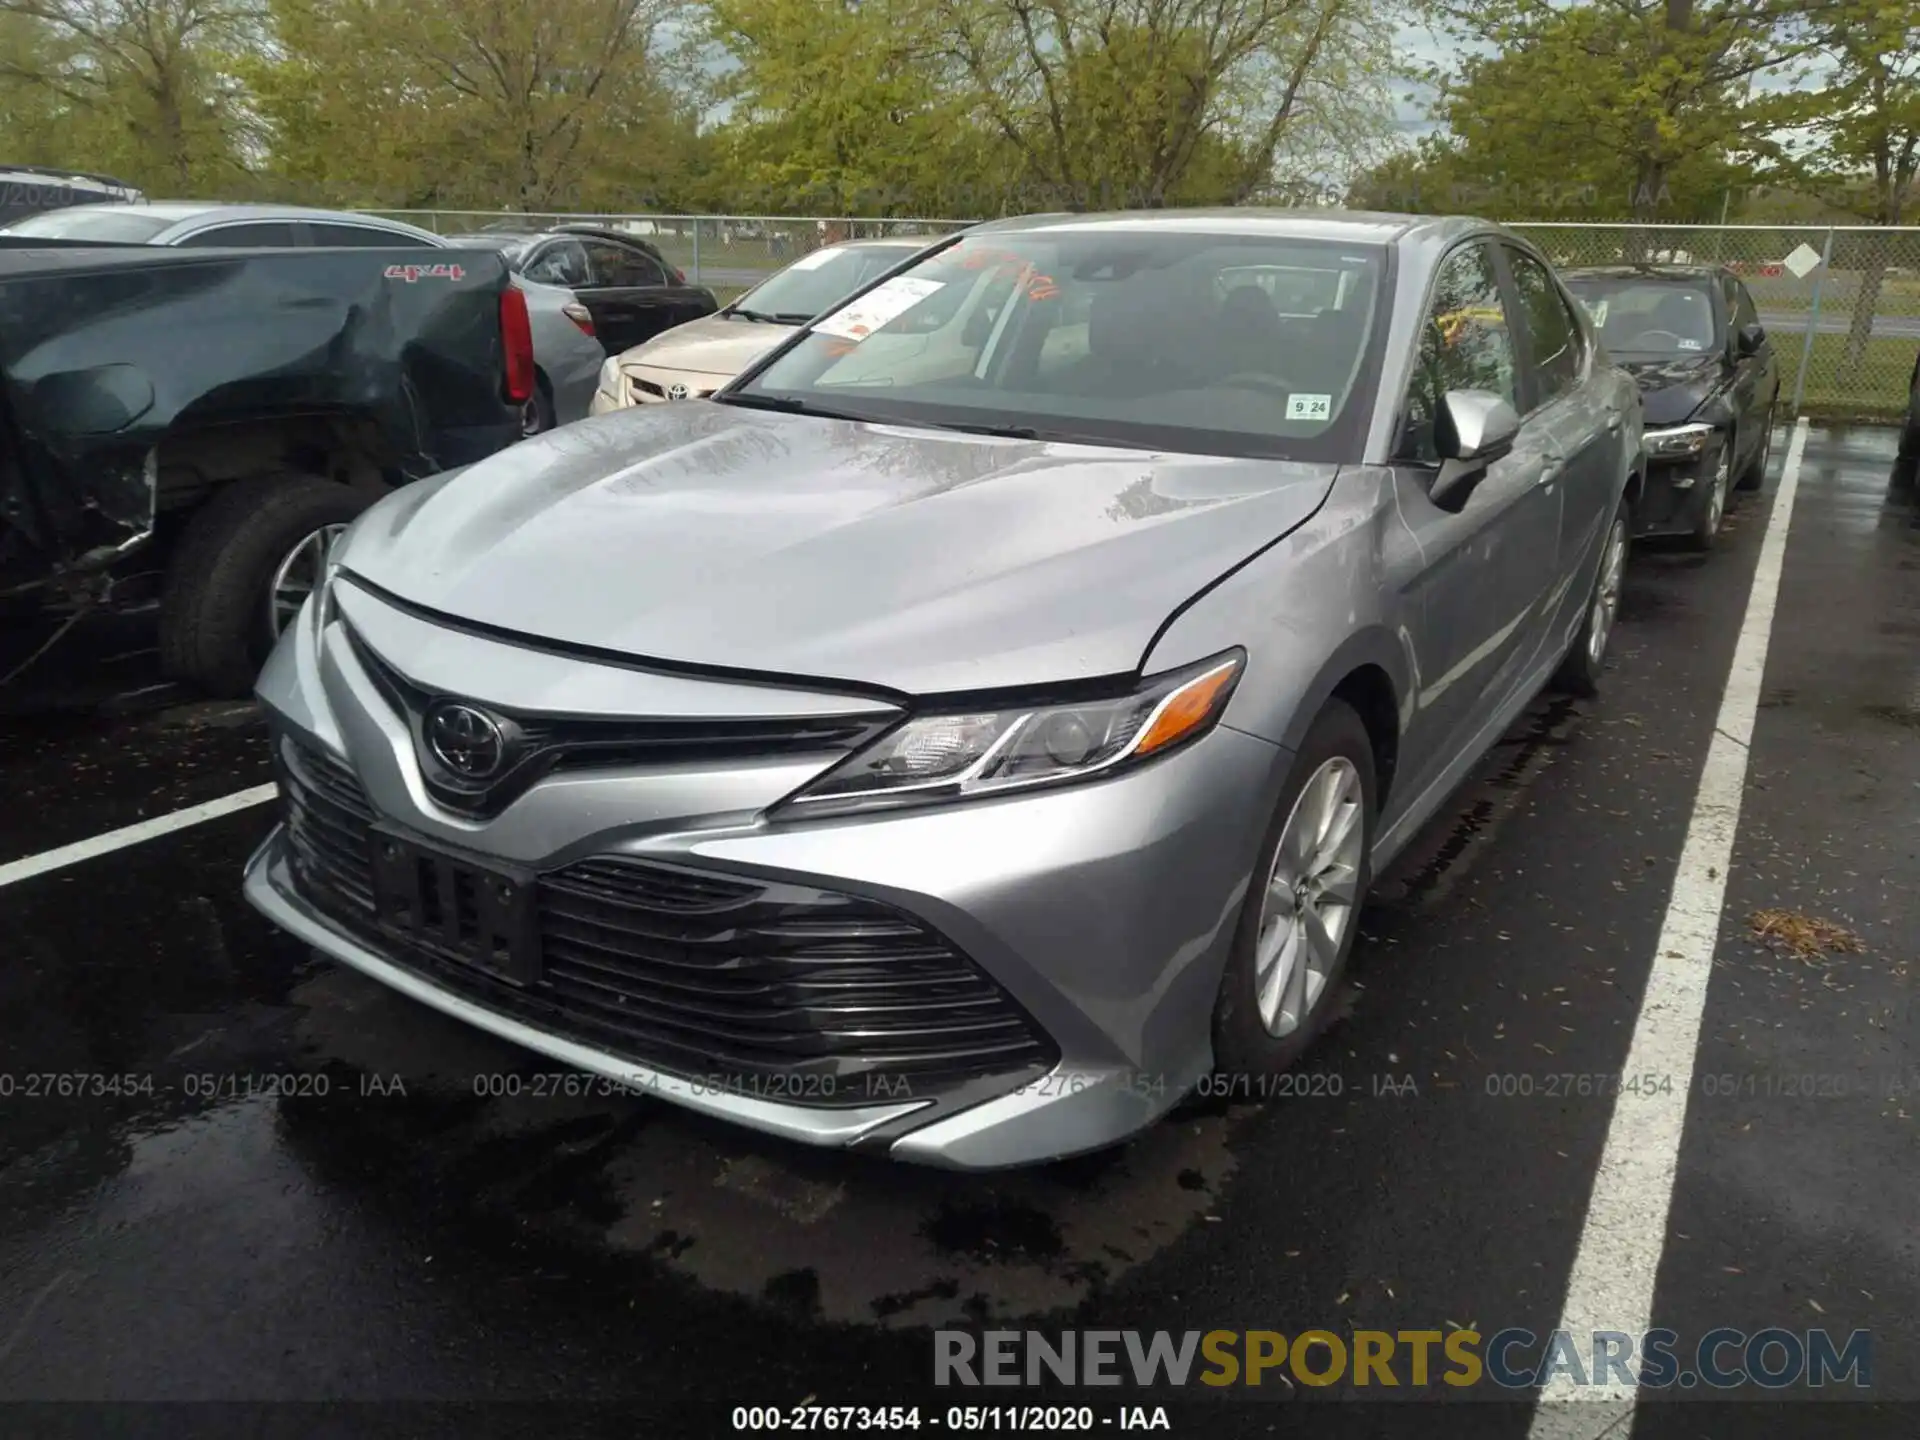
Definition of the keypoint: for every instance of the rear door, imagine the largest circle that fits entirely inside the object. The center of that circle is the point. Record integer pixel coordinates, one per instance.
(1580, 428)
(1476, 579)
(626, 289)
(1756, 377)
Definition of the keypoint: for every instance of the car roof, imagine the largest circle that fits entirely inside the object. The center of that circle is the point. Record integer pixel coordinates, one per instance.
(1356, 226)
(180, 212)
(1648, 271)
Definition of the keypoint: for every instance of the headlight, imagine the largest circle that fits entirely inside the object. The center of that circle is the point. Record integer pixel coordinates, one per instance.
(610, 380)
(987, 752)
(1681, 442)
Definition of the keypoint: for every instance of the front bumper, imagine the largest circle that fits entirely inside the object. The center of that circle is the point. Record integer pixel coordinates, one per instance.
(1677, 492)
(654, 387)
(1101, 912)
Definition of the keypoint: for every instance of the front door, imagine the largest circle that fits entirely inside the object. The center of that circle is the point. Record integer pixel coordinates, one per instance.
(1476, 579)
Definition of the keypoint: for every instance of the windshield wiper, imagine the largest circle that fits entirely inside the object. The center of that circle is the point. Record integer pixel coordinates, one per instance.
(763, 317)
(792, 405)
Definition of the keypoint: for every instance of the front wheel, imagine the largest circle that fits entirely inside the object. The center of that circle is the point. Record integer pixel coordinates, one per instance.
(1302, 910)
(1579, 673)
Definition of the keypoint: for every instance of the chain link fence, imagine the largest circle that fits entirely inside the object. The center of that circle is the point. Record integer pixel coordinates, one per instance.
(1841, 303)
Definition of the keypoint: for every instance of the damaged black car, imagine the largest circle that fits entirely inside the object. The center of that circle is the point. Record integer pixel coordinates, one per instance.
(1691, 336)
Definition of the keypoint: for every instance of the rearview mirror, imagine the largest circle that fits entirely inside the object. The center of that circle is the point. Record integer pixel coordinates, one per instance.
(1473, 429)
(1751, 338)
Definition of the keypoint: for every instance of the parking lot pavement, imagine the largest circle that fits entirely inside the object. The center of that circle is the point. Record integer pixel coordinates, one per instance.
(310, 1189)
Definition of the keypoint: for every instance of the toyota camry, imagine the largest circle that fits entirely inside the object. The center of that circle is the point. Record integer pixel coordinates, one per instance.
(983, 717)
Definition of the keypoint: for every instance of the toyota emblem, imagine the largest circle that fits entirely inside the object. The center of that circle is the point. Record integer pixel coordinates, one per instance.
(676, 392)
(467, 741)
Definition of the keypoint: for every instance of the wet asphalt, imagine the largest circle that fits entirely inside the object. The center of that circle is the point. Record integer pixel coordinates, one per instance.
(298, 1195)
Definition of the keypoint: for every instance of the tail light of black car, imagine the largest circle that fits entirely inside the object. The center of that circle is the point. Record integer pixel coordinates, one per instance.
(516, 333)
(579, 315)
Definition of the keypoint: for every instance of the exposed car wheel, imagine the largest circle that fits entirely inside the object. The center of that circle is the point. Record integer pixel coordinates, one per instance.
(1755, 473)
(537, 416)
(1302, 911)
(1706, 530)
(244, 565)
(1579, 673)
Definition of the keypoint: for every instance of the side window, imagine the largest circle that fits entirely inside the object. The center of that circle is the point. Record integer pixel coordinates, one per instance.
(346, 237)
(560, 262)
(1745, 313)
(1464, 345)
(619, 265)
(1551, 330)
(267, 232)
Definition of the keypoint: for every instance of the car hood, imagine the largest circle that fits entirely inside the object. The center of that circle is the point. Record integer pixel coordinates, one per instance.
(1672, 389)
(711, 345)
(918, 561)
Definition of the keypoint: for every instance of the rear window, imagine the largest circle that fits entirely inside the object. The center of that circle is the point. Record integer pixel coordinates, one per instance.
(126, 227)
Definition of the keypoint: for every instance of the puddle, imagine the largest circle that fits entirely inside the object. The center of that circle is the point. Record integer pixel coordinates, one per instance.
(799, 1231)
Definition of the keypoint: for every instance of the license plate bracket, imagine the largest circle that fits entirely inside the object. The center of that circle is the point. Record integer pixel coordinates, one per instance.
(480, 915)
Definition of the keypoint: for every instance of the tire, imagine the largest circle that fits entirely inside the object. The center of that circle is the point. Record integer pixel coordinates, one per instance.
(1579, 672)
(215, 625)
(1910, 432)
(537, 415)
(1243, 1041)
(1706, 530)
(1754, 474)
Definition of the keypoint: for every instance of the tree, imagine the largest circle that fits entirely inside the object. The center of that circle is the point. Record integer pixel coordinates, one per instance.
(1853, 142)
(536, 105)
(1130, 102)
(144, 83)
(1644, 100)
(845, 107)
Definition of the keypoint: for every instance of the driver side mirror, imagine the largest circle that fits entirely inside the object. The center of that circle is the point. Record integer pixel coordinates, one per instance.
(1750, 339)
(1473, 429)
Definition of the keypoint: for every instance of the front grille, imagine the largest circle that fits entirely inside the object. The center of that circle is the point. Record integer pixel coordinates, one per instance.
(790, 992)
(650, 391)
(546, 744)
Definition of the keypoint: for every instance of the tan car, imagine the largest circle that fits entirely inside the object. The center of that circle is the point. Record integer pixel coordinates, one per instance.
(691, 361)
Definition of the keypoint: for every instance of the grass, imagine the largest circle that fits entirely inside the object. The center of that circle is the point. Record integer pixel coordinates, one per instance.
(1876, 390)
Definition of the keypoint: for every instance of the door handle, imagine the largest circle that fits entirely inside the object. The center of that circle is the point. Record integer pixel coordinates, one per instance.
(1613, 420)
(1555, 464)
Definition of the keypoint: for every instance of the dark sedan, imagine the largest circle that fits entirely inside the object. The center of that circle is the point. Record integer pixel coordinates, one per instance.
(1692, 338)
(629, 288)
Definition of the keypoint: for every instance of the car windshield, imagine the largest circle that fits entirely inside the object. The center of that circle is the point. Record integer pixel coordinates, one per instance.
(1648, 317)
(813, 282)
(1130, 335)
(79, 223)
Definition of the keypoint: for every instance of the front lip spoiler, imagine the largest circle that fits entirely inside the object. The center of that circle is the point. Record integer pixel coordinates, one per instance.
(269, 890)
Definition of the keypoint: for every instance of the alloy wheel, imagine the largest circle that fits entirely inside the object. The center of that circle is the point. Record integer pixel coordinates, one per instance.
(297, 575)
(1311, 895)
(1606, 593)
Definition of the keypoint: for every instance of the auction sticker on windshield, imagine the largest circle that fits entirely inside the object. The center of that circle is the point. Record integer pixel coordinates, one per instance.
(813, 261)
(1309, 407)
(878, 306)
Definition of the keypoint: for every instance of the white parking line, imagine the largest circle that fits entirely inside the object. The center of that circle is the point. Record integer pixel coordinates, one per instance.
(15, 871)
(1611, 1287)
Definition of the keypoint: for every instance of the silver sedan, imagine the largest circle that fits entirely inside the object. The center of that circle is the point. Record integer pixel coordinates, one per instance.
(980, 720)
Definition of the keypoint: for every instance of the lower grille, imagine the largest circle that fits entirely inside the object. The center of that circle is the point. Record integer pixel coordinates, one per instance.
(784, 991)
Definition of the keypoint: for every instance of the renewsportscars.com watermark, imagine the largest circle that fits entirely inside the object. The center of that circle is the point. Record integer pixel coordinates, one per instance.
(1511, 1359)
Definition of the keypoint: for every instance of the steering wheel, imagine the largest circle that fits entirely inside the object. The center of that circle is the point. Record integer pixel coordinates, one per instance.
(1255, 381)
(1677, 340)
